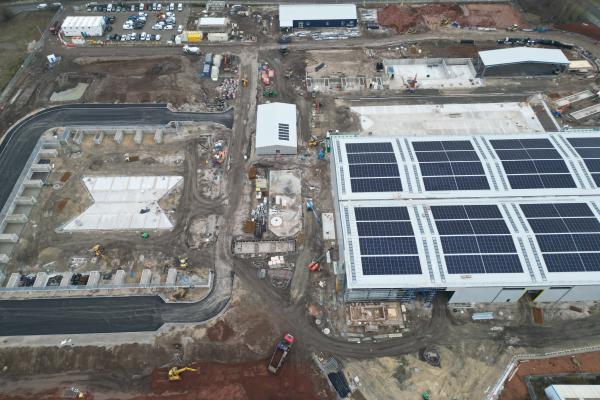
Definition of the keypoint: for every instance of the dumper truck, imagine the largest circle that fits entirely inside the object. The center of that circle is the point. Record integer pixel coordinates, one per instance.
(281, 351)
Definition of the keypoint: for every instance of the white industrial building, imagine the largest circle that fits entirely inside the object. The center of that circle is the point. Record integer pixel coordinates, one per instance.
(83, 26)
(486, 218)
(210, 24)
(522, 61)
(572, 392)
(304, 16)
(276, 129)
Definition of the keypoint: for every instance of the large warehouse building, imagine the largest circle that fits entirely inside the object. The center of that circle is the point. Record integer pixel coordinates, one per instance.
(304, 16)
(486, 218)
(83, 26)
(521, 61)
(276, 129)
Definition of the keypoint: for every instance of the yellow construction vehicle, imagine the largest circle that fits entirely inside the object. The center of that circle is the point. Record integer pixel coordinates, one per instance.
(244, 82)
(175, 373)
(98, 250)
(182, 262)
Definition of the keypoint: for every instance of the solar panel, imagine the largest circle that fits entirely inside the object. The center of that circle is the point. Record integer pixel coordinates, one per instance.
(386, 241)
(406, 265)
(374, 147)
(533, 164)
(568, 235)
(476, 240)
(450, 165)
(589, 149)
(373, 168)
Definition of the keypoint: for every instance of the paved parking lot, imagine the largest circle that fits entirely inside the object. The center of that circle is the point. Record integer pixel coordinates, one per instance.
(120, 17)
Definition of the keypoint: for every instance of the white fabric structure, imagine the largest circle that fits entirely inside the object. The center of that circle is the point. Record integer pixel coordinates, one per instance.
(516, 55)
(288, 13)
(276, 129)
(83, 26)
(120, 200)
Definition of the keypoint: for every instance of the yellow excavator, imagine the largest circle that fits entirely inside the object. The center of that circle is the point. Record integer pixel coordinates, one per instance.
(98, 250)
(175, 373)
(244, 82)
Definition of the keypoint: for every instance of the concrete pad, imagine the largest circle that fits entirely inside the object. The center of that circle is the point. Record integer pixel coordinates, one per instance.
(93, 279)
(66, 279)
(171, 276)
(118, 278)
(14, 279)
(70, 94)
(449, 119)
(119, 200)
(328, 226)
(434, 76)
(285, 213)
(146, 277)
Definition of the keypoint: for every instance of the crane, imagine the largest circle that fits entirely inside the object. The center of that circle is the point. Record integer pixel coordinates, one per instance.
(175, 373)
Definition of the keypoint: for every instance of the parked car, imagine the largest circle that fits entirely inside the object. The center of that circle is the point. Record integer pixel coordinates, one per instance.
(111, 19)
(157, 38)
(118, 37)
(123, 38)
(168, 27)
(119, 9)
(157, 27)
(132, 9)
(147, 37)
(142, 7)
(158, 7)
(127, 26)
(42, 6)
(180, 7)
(180, 29)
(109, 7)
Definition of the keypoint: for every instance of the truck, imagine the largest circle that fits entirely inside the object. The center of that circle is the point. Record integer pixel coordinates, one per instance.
(191, 50)
(281, 351)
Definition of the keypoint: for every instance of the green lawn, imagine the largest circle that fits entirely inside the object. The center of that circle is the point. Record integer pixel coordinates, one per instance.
(15, 34)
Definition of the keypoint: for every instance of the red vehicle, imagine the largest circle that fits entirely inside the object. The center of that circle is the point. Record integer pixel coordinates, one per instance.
(281, 351)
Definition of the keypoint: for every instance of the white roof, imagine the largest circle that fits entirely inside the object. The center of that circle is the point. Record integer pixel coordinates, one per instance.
(206, 21)
(516, 55)
(268, 118)
(302, 12)
(85, 22)
(419, 202)
(572, 392)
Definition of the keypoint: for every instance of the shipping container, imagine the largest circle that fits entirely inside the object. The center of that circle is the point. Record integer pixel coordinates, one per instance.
(214, 73)
(217, 37)
(194, 36)
(217, 60)
(206, 71)
(208, 59)
(83, 26)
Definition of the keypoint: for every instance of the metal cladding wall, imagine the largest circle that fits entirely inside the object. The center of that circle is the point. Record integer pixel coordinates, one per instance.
(583, 293)
(272, 150)
(552, 294)
(325, 23)
(475, 295)
(83, 26)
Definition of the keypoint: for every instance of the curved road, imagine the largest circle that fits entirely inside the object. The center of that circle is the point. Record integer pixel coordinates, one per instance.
(21, 138)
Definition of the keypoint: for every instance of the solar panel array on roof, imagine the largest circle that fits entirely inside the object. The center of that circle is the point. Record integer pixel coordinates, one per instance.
(588, 148)
(476, 240)
(450, 165)
(533, 164)
(568, 235)
(387, 241)
(373, 167)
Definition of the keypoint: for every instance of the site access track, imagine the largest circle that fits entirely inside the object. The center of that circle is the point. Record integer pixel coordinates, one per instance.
(20, 140)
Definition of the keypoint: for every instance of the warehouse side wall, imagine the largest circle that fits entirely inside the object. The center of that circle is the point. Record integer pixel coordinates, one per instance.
(325, 23)
(274, 150)
(582, 293)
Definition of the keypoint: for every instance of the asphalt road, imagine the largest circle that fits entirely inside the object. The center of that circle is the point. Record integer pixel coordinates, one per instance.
(20, 139)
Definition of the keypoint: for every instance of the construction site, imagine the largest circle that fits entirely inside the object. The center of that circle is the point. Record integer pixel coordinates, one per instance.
(285, 230)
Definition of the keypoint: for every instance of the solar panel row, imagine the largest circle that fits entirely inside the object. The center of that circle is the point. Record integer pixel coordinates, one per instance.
(386, 241)
(533, 164)
(568, 235)
(373, 167)
(450, 165)
(589, 150)
(476, 240)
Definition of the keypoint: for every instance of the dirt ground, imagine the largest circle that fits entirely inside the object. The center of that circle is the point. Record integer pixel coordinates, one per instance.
(432, 16)
(583, 28)
(463, 374)
(231, 354)
(516, 389)
(42, 248)
(15, 37)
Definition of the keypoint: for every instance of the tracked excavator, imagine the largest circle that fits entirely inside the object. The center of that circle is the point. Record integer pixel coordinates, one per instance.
(175, 373)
